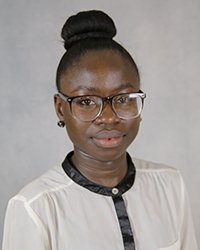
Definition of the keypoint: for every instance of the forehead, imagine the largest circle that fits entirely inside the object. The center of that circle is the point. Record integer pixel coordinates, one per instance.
(100, 71)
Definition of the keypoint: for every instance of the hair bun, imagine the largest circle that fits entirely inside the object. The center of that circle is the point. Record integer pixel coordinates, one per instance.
(87, 24)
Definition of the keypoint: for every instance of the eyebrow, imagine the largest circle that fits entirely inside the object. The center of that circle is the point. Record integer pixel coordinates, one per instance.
(94, 89)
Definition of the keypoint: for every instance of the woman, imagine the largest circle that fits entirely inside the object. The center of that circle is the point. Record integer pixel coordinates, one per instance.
(100, 198)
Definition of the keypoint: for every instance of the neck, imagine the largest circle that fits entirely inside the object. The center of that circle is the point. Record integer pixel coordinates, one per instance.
(105, 173)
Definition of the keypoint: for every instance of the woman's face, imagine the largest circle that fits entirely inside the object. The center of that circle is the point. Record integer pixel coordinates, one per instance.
(102, 73)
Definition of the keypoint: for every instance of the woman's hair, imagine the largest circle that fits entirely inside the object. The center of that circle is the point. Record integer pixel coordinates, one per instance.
(85, 32)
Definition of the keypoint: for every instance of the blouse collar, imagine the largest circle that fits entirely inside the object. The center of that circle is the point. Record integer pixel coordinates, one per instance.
(77, 177)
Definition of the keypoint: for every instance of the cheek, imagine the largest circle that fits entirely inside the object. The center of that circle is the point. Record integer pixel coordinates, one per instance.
(75, 130)
(132, 128)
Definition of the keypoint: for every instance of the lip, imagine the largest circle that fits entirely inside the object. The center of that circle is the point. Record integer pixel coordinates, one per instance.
(108, 139)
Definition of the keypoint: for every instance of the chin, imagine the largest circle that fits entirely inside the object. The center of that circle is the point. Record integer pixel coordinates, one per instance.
(107, 155)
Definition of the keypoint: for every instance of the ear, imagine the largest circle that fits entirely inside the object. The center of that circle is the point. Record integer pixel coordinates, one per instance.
(58, 107)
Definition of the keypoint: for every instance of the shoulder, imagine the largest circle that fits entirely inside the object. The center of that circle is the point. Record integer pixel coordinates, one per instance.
(51, 181)
(149, 166)
(158, 174)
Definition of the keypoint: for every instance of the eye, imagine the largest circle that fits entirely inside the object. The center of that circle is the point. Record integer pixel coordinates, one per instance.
(85, 101)
(123, 99)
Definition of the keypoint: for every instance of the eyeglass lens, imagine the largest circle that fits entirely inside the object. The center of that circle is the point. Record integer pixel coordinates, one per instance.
(87, 108)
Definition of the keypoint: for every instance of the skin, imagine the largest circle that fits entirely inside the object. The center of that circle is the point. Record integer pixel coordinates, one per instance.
(103, 73)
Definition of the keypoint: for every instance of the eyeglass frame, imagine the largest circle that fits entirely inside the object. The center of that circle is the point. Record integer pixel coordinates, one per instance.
(107, 99)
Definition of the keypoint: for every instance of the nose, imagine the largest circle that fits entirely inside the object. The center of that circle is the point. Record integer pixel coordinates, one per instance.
(108, 115)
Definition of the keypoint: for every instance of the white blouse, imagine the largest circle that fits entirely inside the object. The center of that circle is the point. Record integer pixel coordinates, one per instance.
(54, 212)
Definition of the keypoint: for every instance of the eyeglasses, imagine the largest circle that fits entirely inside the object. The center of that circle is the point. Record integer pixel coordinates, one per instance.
(88, 107)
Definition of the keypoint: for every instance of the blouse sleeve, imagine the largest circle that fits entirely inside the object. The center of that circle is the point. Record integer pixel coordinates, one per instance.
(187, 237)
(22, 228)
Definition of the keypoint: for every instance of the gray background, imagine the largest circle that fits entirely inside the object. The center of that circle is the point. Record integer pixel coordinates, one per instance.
(164, 39)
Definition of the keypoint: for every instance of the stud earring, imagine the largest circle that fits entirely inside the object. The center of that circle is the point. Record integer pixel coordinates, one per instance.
(61, 124)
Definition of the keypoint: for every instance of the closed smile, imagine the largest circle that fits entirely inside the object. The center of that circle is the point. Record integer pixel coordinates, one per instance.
(108, 139)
